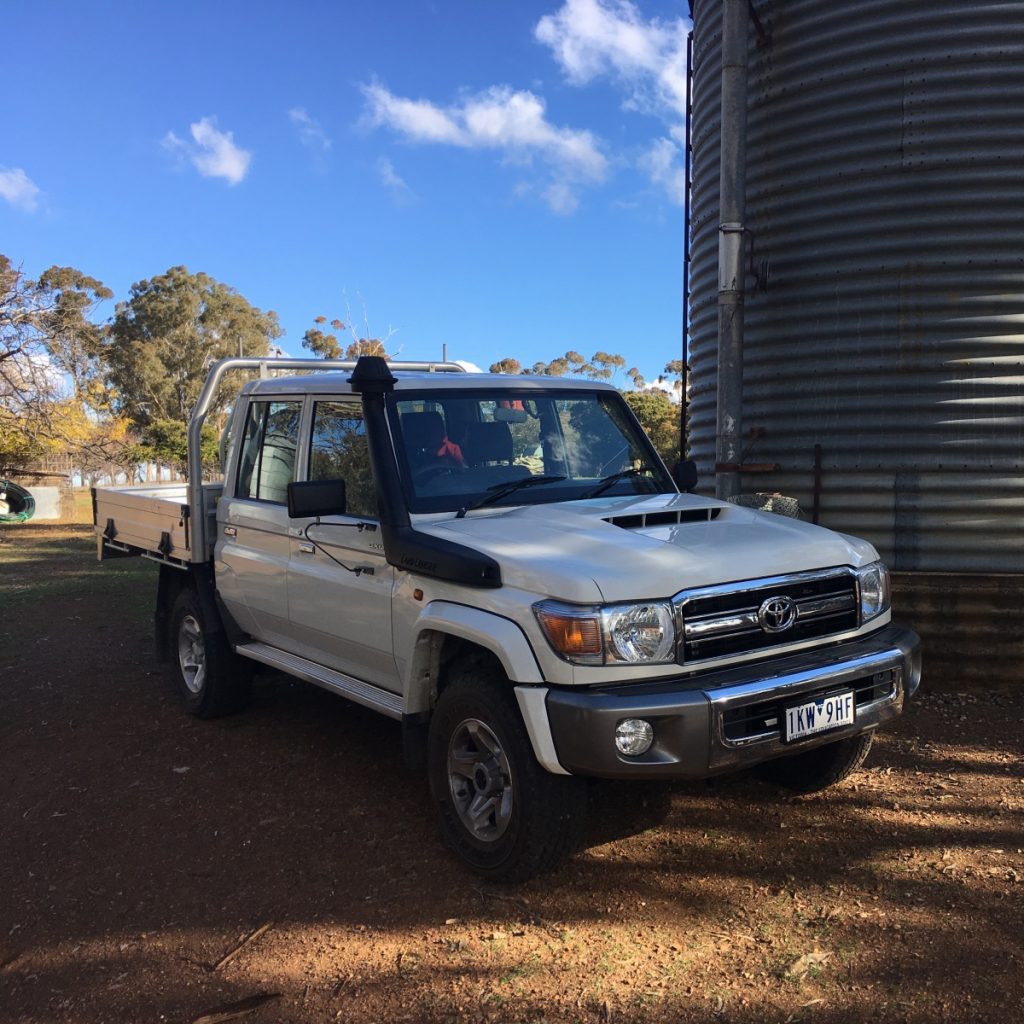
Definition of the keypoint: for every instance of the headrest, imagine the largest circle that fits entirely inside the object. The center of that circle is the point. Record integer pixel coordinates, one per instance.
(487, 442)
(422, 430)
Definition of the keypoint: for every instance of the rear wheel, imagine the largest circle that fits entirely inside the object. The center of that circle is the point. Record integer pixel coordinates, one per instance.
(211, 679)
(819, 768)
(499, 810)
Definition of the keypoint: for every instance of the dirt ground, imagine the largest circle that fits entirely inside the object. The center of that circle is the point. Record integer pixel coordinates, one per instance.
(139, 848)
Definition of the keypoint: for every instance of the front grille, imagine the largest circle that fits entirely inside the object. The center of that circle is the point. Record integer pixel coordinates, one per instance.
(722, 621)
(762, 720)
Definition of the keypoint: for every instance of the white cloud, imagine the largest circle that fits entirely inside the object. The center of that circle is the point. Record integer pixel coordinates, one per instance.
(389, 177)
(591, 38)
(311, 132)
(513, 123)
(19, 189)
(663, 163)
(218, 156)
(418, 120)
(212, 152)
(561, 198)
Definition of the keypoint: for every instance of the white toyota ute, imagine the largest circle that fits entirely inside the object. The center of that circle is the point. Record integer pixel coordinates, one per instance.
(505, 566)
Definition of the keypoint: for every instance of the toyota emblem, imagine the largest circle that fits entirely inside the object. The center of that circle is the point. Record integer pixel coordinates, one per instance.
(777, 614)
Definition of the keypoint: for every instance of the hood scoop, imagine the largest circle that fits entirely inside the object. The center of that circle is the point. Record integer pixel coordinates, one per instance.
(669, 517)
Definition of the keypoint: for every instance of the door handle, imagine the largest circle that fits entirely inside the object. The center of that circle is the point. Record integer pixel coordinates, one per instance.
(306, 549)
(230, 531)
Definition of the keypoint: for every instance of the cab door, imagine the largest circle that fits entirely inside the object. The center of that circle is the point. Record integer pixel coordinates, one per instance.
(339, 582)
(253, 547)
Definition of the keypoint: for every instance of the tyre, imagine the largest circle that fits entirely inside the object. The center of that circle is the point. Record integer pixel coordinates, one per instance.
(499, 811)
(211, 679)
(819, 768)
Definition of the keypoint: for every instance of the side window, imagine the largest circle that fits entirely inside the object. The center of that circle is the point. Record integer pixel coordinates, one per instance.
(340, 451)
(267, 465)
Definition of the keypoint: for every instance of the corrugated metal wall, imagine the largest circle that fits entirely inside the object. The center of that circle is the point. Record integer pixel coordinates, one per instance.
(886, 203)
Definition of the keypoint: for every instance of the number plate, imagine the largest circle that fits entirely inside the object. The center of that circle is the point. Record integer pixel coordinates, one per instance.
(820, 715)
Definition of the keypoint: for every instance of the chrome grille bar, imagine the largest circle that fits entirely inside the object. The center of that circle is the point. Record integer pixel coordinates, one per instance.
(722, 621)
(745, 620)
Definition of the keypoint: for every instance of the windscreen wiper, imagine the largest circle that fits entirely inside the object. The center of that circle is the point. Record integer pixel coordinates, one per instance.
(608, 481)
(498, 491)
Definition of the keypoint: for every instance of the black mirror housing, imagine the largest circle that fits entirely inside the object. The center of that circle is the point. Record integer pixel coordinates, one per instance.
(311, 498)
(685, 475)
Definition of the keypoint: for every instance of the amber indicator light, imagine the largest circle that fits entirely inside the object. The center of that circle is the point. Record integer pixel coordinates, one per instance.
(572, 635)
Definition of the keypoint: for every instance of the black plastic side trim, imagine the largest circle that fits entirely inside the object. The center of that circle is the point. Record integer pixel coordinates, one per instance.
(423, 553)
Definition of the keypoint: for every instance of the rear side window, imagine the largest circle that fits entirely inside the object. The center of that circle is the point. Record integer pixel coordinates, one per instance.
(267, 465)
(339, 451)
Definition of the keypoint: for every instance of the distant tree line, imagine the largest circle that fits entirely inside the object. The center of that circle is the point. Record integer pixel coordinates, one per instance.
(652, 406)
(116, 395)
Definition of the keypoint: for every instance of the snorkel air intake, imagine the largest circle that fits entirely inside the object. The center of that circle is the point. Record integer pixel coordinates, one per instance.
(404, 546)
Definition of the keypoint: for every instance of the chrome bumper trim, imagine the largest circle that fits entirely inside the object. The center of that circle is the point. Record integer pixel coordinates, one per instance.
(726, 752)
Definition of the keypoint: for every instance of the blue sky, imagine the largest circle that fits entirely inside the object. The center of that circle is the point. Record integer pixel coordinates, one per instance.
(505, 178)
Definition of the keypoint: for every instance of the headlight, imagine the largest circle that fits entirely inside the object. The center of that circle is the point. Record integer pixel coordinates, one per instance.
(873, 584)
(638, 633)
(620, 634)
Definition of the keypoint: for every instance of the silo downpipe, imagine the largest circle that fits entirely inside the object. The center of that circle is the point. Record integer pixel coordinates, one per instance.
(687, 225)
(732, 213)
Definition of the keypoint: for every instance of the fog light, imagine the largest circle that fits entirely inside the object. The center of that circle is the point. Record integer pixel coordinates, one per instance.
(634, 736)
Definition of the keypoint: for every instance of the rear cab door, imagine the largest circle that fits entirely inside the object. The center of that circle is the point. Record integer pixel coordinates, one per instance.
(253, 546)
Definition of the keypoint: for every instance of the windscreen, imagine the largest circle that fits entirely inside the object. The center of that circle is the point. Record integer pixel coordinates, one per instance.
(458, 449)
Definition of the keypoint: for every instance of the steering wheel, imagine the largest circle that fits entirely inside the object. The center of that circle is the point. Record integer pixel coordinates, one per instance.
(428, 473)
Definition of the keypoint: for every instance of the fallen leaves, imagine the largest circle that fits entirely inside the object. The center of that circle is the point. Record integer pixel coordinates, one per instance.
(807, 963)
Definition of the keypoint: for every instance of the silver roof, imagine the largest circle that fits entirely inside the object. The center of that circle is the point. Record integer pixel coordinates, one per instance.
(337, 383)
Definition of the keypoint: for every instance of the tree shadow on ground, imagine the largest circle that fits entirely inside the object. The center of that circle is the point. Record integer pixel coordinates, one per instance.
(140, 844)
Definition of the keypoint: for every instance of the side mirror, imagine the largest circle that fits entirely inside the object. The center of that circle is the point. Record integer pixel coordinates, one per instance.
(311, 498)
(685, 475)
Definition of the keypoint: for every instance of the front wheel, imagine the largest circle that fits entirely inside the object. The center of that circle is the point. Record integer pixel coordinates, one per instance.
(819, 768)
(499, 810)
(211, 679)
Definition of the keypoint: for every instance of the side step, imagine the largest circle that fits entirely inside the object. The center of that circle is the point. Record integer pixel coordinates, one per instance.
(370, 696)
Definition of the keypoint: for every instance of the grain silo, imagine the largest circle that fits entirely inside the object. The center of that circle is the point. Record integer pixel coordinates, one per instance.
(883, 357)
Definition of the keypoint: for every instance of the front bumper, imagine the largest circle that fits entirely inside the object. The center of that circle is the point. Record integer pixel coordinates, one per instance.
(722, 721)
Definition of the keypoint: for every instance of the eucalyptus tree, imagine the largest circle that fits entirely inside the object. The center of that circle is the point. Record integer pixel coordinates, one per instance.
(167, 333)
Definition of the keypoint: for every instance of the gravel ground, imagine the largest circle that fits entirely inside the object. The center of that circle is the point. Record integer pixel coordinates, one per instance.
(283, 866)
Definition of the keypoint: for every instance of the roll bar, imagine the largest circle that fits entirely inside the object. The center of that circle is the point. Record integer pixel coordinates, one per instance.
(202, 407)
